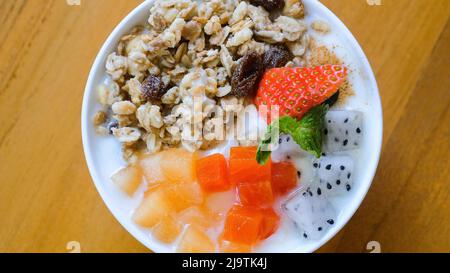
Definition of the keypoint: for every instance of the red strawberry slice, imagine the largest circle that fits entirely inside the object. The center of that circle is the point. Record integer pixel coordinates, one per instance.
(296, 90)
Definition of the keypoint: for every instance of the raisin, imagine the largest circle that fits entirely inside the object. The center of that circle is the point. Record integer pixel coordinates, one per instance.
(113, 124)
(247, 75)
(333, 99)
(269, 5)
(277, 56)
(153, 88)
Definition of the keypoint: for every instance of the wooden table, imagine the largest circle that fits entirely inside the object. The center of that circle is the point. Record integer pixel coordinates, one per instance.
(47, 198)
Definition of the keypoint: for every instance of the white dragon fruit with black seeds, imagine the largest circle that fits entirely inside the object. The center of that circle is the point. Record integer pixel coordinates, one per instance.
(335, 175)
(343, 131)
(312, 214)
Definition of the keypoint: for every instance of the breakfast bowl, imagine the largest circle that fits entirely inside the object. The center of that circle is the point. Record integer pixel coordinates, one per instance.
(125, 132)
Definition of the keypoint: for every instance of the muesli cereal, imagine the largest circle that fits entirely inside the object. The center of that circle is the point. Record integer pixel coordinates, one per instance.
(188, 52)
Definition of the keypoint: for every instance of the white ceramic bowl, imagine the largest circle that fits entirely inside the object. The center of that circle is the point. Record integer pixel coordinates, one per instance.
(103, 154)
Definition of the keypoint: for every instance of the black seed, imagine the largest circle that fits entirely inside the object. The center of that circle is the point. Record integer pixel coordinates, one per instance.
(299, 173)
(304, 194)
(338, 182)
(323, 154)
(315, 165)
(305, 236)
(288, 157)
(325, 132)
(349, 175)
(319, 229)
(346, 120)
(288, 139)
(331, 222)
(319, 191)
(328, 167)
(336, 139)
(356, 143)
(345, 142)
(279, 141)
(358, 130)
(342, 168)
(348, 187)
(329, 186)
(329, 121)
(346, 132)
(310, 193)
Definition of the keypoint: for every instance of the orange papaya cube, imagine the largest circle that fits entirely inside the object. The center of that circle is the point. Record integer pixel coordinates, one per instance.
(244, 167)
(128, 179)
(178, 165)
(151, 166)
(242, 225)
(284, 177)
(167, 230)
(195, 240)
(257, 193)
(182, 195)
(212, 173)
(153, 209)
(231, 247)
(270, 223)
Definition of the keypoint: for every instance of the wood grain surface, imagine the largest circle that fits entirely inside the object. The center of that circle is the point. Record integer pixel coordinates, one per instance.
(47, 198)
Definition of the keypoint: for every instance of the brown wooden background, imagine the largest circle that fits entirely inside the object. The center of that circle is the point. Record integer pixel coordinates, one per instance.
(46, 195)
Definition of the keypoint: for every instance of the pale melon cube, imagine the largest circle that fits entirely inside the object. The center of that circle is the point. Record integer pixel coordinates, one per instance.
(154, 208)
(151, 165)
(220, 203)
(178, 165)
(183, 194)
(195, 240)
(167, 230)
(196, 216)
(128, 179)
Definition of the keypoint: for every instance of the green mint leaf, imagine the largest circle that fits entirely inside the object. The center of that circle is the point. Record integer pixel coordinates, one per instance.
(307, 133)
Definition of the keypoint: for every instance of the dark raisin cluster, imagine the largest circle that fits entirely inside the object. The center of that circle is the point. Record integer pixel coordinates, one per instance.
(269, 5)
(246, 76)
(277, 56)
(153, 88)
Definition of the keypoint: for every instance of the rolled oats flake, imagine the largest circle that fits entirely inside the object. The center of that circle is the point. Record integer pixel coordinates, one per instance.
(123, 108)
(127, 134)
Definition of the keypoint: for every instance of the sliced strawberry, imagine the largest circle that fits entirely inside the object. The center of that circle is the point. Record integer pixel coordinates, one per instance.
(296, 90)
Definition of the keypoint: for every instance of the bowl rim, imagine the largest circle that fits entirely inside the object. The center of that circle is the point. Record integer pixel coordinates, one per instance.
(99, 64)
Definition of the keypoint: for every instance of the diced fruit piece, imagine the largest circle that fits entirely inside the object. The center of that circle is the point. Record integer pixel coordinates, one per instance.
(284, 177)
(167, 230)
(245, 168)
(212, 173)
(256, 193)
(154, 208)
(178, 165)
(296, 90)
(312, 213)
(220, 203)
(151, 165)
(197, 216)
(128, 179)
(231, 247)
(243, 225)
(270, 223)
(183, 194)
(194, 240)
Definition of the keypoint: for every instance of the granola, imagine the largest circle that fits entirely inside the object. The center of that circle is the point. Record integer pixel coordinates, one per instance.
(171, 78)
